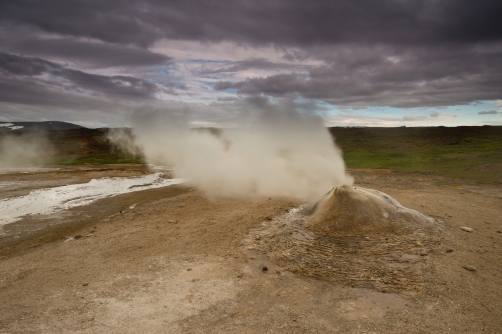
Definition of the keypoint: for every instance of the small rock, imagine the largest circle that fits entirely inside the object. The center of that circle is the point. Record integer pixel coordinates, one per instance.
(240, 275)
(172, 221)
(449, 250)
(189, 269)
(85, 284)
(268, 218)
(467, 229)
(264, 268)
(499, 231)
(470, 268)
(78, 236)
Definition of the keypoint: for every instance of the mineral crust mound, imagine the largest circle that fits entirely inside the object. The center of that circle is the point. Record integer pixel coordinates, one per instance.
(360, 211)
(355, 237)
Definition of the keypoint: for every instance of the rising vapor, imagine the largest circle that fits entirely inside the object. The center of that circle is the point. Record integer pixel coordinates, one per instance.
(24, 149)
(281, 153)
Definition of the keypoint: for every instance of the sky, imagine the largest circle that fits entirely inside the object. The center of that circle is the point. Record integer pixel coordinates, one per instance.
(353, 62)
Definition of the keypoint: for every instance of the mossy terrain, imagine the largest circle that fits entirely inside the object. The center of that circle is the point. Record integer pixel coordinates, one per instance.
(460, 152)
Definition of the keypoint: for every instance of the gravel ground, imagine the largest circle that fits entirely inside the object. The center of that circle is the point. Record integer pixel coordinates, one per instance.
(169, 261)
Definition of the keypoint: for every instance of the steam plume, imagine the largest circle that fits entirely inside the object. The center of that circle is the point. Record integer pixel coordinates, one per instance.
(23, 149)
(281, 153)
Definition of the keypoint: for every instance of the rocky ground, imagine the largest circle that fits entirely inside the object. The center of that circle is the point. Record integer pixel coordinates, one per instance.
(169, 261)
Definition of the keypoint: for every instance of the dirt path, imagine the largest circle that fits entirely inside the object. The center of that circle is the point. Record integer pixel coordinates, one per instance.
(175, 263)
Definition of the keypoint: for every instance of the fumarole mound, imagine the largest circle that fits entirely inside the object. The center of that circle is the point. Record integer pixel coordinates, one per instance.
(352, 236)
(347, 210)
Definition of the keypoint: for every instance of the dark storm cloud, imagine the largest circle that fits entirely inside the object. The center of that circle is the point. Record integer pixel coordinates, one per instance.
(401, 53)
(490, 112)
(16, 65)
(28, 93)
(123, 86)
(89, 54)
(289, 22)
(402, 77)
(37, 89)
(25, 98)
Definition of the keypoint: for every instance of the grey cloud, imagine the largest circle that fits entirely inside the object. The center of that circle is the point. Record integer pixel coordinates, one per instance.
(490, 112)
(227, 99)
(223, 85)
(276, 85)
(118, 85)
(86, 53)
(363, 76)
(253, 63)
(401, 53)
(24, 100)
(434, 114)
(288, 57)
(290, 22)
(297, 55)
(28, 93)
(23, 68)
(35, 89)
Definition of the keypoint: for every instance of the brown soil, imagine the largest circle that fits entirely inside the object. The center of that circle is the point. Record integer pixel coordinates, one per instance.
(177, 263)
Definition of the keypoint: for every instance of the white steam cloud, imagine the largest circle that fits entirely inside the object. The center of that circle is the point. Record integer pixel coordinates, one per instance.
(281, 153)
(23, 150)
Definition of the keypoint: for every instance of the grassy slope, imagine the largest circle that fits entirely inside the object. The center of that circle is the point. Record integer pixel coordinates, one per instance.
(461, 152)
(85, 146)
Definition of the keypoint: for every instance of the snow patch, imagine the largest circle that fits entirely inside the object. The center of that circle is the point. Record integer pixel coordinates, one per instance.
(11, 126)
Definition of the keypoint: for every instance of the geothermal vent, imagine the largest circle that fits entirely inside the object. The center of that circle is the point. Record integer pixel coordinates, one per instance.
(352, 236)
(347, 210)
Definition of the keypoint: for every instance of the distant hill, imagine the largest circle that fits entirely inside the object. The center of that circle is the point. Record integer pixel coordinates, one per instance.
(38, 126)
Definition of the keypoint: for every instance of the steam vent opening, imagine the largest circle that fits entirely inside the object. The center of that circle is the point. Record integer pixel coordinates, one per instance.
(352, 236)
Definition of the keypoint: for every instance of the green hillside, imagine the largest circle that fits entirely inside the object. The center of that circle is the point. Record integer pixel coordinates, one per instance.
(460, 152)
